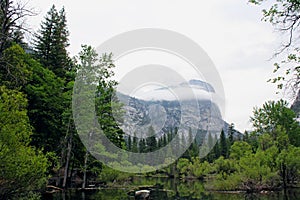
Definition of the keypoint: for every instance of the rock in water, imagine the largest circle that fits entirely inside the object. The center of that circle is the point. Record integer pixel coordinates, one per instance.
(142, 194)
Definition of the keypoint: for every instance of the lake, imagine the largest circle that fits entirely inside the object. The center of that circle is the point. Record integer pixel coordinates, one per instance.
(168, 189)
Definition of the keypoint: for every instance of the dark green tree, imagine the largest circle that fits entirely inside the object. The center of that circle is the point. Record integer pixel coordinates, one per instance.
(46, 106)
(129, 143)
(142, 146)
(223, 145)
(151, 140)
(231, 133)
(134, 144)
(52, 41)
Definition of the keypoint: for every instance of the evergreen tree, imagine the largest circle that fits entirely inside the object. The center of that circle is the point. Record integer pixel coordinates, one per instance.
(134, 144)
(164, 140)
(223, 145)
(142, 146)
(52, 41)
(231, 134)
(129, 143)
(151, 140)
(246, 136)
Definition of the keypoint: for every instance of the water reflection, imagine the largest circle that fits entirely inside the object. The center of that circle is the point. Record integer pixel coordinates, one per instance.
(168, 189)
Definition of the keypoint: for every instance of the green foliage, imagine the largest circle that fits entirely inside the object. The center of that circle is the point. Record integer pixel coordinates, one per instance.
(289, 164)
(183, 166)
(46, 106)
(151, 140)
(231, 133)
(110, 175)
(52, 41)
(274, 162)
(15, 71)
(23, 168)
(108, 107)
(239, 149)
(273, 115)
(223, 145)
(199, 169)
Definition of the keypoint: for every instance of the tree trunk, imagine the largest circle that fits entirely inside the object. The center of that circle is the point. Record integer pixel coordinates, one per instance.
(69, 149)
(85, 169)
(283, 166)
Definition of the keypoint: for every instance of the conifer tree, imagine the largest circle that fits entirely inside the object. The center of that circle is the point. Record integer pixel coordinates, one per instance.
(134, 144)
(223, 145)
(151, 140)
(52, 41)
(231, 133)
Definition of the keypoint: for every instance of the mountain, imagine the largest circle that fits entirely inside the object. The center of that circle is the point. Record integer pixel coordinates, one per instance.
(296, 105)
(165, 113)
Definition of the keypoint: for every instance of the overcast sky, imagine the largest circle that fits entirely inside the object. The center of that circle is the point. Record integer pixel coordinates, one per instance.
(230, 31)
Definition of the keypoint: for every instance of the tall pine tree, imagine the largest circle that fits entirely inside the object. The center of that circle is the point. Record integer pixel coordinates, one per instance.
(223, 145)
(52, 41)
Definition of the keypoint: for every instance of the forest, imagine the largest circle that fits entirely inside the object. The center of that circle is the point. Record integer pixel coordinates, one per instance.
(41, 150)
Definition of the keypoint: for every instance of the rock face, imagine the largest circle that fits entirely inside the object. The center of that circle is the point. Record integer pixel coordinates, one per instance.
(201, 116)
(296, 105)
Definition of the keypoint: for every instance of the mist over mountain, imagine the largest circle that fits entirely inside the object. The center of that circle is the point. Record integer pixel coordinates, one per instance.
(160, 109)
(177, 91)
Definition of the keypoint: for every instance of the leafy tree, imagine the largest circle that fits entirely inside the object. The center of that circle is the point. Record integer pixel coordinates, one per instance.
(108, 107)
(22, 167)
(15, 70)
(289, 165)
(274, 114)
(239, 149)
(92, 70)
(44, 93)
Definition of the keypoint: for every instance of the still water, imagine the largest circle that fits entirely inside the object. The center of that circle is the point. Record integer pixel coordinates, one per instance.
(166, 189)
